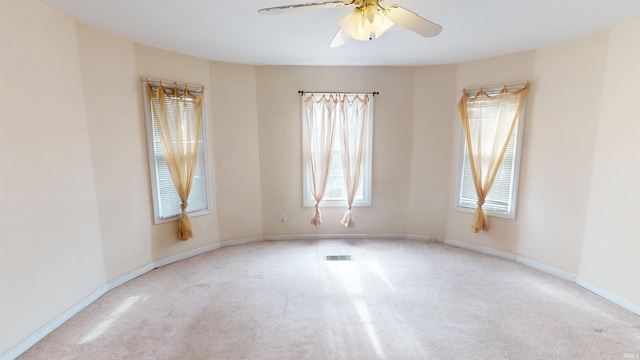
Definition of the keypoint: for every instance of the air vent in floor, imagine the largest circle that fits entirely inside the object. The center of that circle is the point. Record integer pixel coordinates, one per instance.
(338, 257)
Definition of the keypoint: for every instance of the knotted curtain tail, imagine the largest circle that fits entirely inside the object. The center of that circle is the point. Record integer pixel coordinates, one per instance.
(348, 219)
(317, 218)
(185, 229)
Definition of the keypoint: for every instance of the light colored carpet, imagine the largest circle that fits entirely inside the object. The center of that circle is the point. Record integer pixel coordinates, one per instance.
(396, 299)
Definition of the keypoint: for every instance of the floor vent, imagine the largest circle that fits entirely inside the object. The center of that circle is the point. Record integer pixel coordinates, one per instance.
(338, 257)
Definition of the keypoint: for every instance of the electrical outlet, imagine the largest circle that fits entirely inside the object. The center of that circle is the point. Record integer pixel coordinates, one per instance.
(283, 217)
(389, 216)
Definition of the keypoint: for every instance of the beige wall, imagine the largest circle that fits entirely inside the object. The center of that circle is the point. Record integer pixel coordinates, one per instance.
(433, 122)
(561, 136)
(237, 159)
(50, 244)
(610, 256)
(280, 147)
(118, 148)
(76, 199)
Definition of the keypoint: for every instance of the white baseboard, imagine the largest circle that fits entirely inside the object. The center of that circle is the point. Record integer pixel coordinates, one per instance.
(614, 298)
(241, 241)
(482, 249)
(334, 236)
(517, 258)
(421, 238)
(131, 275)
(547, 269)
(185, 255)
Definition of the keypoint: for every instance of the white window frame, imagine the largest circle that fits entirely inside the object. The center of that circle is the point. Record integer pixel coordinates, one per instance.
(518, 136)
(153, 140)
(307, 197)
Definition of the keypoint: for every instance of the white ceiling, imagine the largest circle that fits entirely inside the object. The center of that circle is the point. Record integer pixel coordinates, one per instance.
(233, 31)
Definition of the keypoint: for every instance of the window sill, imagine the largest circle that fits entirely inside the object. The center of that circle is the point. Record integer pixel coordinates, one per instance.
(336, 203)
(176, 217)
(509, 216)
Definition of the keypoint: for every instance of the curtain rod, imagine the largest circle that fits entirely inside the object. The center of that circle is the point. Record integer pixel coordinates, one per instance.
(374, 93)
(498, 87)
(190, 86)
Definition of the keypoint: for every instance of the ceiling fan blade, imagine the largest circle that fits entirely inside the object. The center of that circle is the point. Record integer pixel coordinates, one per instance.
(299, 7)
(412, 21)
(339, 40)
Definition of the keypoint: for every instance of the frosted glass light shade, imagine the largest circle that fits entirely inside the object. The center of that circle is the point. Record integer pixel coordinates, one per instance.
(352, 25)
(374, 20)
(365, 24)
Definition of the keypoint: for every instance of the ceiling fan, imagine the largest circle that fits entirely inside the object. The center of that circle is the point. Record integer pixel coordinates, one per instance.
(368, 20)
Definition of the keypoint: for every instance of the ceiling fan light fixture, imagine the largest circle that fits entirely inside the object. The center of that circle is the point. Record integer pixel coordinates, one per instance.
(374, 20)
(365, 23)
(368, 20)
(352, 25)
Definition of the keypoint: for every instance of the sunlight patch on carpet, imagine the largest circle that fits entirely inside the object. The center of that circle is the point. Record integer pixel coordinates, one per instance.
(105, 324)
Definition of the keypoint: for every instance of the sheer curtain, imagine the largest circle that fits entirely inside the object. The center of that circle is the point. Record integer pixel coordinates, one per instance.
(178, 116)
(320, 128)
(353, 126)
(488, 123)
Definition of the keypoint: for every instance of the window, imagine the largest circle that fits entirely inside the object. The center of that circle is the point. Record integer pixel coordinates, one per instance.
(336, 193)
(166, 201)
(501, 200)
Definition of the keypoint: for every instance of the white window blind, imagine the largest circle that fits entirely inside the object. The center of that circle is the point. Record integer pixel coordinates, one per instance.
(167, 203)
(501, 194)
